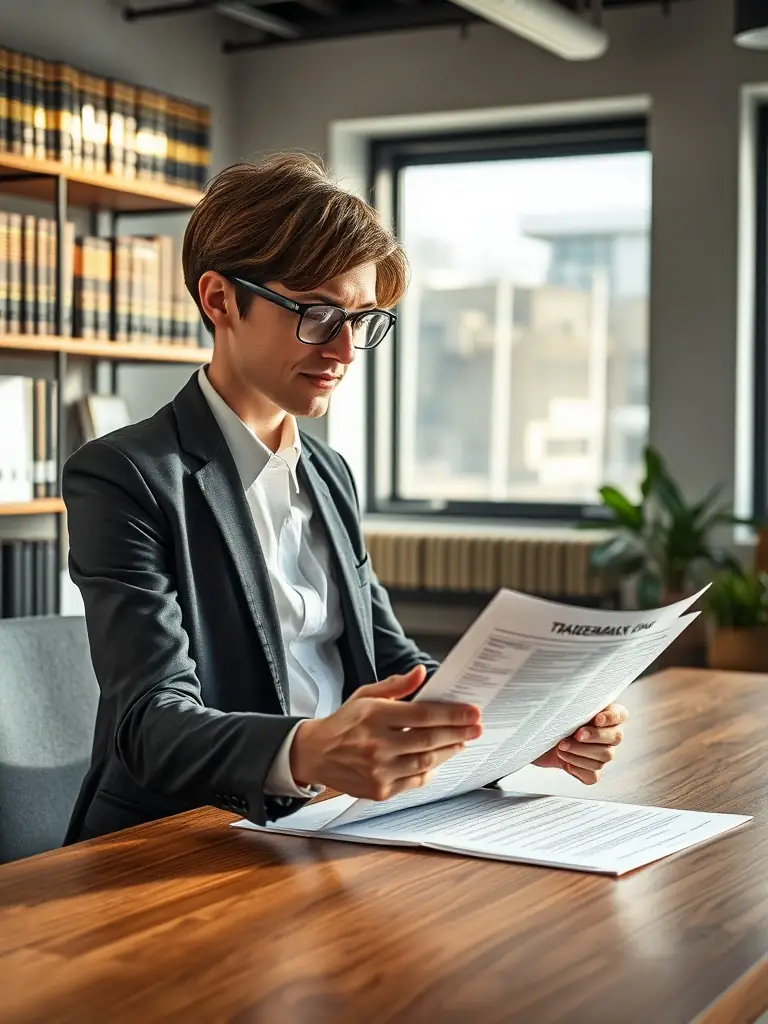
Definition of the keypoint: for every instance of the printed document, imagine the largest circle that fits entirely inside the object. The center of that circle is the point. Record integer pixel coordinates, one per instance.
(538, 671)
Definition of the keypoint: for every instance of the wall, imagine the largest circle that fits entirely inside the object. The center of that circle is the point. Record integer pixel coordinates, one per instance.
(688, 67)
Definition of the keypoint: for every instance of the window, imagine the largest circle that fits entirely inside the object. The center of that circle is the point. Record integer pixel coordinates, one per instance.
(517, 377)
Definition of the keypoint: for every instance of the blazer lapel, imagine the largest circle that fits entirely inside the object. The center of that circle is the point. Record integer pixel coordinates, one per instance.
(222, 489)
(345, 562)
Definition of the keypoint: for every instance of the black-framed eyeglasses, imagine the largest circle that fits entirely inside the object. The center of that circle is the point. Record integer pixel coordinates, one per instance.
(320, 323)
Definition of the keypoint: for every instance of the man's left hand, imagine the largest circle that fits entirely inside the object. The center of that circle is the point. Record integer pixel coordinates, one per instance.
(584, 754)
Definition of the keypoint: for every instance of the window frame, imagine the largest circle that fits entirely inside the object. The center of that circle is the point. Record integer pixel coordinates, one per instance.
(759, 402)
(388, 157)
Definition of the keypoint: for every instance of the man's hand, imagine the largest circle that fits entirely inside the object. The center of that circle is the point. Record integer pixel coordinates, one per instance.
(586, 753)
(363, 749)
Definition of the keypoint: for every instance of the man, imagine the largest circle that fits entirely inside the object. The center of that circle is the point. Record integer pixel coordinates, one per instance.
(236, 627)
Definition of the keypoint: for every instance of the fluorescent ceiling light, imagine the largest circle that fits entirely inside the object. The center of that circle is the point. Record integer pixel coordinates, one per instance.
(751, 28)
(545, 23)
(251, 16)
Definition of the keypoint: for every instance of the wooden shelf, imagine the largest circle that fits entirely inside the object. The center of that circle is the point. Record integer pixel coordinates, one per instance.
(38, 507)
(91, 189)
(118, 351)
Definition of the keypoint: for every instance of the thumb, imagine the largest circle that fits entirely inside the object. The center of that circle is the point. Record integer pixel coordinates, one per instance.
(395, 687)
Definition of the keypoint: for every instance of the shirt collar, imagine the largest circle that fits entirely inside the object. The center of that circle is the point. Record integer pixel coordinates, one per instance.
(251, 455)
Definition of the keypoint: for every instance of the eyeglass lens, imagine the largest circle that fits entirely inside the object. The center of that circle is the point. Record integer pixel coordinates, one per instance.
(320, 323)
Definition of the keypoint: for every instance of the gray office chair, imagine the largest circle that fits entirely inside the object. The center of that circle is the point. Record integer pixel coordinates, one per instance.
(48, 698)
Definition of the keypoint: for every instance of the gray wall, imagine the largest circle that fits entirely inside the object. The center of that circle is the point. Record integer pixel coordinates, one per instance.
(691, 70)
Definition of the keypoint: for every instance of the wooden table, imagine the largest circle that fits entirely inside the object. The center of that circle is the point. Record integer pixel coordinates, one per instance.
(187, 920)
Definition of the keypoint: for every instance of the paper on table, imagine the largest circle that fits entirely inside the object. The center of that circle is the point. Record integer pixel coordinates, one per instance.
(582, 835)
(538, 670)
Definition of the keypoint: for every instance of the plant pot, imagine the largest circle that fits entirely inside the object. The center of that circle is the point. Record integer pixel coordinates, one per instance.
(738, 650)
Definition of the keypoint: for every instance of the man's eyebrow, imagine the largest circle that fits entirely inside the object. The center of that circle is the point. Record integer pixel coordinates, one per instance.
(329, 300)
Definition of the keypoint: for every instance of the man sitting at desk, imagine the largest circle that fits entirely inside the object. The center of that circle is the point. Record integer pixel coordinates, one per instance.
(236, 626)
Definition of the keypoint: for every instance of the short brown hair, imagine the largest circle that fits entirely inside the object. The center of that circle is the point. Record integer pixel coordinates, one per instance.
(283, 219)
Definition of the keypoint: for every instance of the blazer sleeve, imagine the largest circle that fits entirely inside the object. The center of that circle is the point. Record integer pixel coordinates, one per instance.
(165, 737)
(395, 653)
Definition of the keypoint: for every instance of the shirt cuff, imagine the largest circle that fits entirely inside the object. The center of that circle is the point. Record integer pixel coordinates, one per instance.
(280, 781)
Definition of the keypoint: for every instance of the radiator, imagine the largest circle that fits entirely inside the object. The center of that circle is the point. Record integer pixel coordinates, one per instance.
(534, 562)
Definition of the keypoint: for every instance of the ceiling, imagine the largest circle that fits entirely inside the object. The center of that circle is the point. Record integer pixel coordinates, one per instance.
(261, 23)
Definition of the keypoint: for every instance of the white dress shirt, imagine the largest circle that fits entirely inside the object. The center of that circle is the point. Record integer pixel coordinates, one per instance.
(299, 565)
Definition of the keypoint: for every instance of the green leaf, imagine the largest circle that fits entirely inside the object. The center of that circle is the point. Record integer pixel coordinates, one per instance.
(624, 511)
(649, 589)
(654, 467)
(619, 555)
(710, 498)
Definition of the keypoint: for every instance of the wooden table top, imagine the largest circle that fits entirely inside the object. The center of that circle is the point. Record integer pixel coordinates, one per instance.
(188, 920)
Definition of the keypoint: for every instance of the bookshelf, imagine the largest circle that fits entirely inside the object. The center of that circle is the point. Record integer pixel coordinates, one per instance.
(111, 350)
(39, 506)
(34, 179)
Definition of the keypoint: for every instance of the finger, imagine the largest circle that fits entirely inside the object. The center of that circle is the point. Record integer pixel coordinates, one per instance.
(614, 714)
(589, 778)
(395, 687)
(592, 763)
(416, 741)
(607, 737)
(427, 761)
(428, 714)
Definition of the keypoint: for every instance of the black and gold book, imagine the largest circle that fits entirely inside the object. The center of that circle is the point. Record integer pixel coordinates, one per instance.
(88, 120)
(28, 274)
(15, 109)
(4, 123)
(203, 145)
(28, 104)
(14, 273)
(39, 107)
(76, 79)
(160, 163)
(101, 122)
(145, 133)
(116, 128)
(41, 276)
(171, 158)
(130, 165)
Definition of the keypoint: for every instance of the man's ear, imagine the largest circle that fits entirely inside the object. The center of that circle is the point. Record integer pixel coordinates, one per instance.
(217, 297)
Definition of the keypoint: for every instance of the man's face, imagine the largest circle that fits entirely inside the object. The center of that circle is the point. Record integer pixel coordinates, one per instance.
(295, 377)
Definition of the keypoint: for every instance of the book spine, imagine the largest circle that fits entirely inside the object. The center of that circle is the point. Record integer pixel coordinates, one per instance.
(50, 110)
(166, 290)
(122, 288)
(15, 107)
(68, 253)
(41, 277)
(4, 100)
(51, 577)
(144, 134)
(172, 153)
(51, 436)
(76, 121)
(101, 123)
(160, 164)
(39, 438)
(39, 98)
(105, 289)
(4, 312)
(130, 157)
(203, 161)
(38, 558)
(116, 114)
(28, 275)
(14, 273)
(28, 105)
(28, 578)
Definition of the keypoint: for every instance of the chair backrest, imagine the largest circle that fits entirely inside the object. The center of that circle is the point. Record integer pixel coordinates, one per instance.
(48, 700)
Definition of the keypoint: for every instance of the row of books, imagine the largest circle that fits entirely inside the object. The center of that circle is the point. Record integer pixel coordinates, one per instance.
(127, 288)
(28, 578)
(51, 110)
(28, 438)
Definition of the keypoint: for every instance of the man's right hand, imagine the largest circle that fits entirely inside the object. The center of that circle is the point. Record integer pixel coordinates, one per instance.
(363, 749)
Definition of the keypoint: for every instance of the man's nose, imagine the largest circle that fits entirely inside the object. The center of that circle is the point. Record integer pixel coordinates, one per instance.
(342, 348)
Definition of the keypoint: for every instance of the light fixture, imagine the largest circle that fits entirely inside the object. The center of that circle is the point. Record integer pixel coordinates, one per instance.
(751, 28)
(545, 23)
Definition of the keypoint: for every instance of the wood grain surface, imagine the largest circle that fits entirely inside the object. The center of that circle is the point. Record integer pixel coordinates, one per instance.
(187, 920)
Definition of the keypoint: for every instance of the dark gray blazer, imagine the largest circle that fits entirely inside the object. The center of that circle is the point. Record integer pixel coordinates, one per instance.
(182, 624)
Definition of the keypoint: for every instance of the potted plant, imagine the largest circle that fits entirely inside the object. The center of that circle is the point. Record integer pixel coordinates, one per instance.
(737, 603)
(662, 546)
